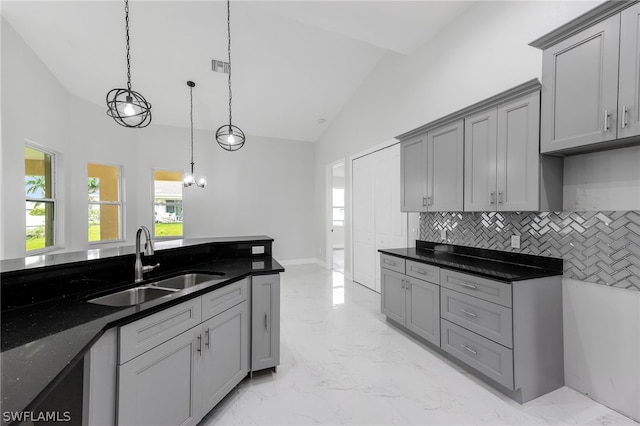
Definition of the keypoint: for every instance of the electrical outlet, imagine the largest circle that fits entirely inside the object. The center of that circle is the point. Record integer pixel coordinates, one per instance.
(515, 241)
(443, 234)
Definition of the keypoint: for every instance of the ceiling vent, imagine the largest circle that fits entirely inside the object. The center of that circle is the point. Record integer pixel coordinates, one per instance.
(220, 66)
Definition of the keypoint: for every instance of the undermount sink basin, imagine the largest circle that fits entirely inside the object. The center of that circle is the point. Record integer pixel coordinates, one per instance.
(133, 296)
(187, 280)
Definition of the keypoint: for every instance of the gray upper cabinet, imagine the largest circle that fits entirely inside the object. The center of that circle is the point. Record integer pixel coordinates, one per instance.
(503, 167)
(432, 170)
(629, 92)
(590, 78)
(413, 169)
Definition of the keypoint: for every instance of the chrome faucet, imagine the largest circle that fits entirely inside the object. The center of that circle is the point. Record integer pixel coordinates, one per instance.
(148, 251)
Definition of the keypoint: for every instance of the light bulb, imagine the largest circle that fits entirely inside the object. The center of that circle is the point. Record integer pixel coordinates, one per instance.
(202, 182)
(231, 139)
(129, 110)
(188, 179)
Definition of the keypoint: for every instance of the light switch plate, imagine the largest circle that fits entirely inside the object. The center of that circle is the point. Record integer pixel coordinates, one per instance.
(257, 250)
(515, 241)
(443, 234)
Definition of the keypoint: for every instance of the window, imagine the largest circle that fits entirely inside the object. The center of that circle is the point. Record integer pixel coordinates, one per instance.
(338, 206)
(105, 203)
(39, 191)
(167, 203)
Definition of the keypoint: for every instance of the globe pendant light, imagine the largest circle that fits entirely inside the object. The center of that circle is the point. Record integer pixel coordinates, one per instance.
(229, 137)
(189, 178)
(127, 107)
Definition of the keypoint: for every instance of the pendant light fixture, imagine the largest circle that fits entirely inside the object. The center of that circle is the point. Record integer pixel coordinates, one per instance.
(127, 107)
(189, 178)
(229, 137)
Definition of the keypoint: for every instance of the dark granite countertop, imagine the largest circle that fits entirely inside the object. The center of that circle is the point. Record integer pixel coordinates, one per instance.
(493, 264)
(43, 341)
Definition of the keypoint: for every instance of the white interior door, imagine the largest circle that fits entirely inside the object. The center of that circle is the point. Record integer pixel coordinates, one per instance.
(377, 219)
(390, 223)
(364, 258)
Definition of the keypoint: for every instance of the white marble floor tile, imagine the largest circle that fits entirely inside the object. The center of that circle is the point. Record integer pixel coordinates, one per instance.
(342, 363)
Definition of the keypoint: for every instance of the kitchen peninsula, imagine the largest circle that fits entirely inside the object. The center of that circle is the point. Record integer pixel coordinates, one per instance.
(50, 325)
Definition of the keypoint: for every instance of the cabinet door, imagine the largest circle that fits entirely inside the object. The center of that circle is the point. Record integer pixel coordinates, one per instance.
(265, 322)
(445, 184)
(423, 309)
(480, 161)
(158, 387)
(580, 88)
(518, 163)
(392, 295)
(413, 170)
(629, 92)
(225, 354)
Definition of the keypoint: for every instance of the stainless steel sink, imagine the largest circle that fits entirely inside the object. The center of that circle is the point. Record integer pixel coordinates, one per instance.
(187, 280)
(133, 296)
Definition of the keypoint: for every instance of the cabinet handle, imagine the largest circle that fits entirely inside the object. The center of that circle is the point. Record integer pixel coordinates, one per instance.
(420, 271)
(424, 201)
(389, 262)
(492, 197)
(402, 283)
(606, 120)
(430, 200)
(468, 349)
(266, 327)
(199, 347)
(624, 116)
(208, 341)
(463, 284)
(471, 314)
(499, 197)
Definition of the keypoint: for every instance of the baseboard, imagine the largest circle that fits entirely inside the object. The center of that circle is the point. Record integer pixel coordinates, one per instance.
(292, 262)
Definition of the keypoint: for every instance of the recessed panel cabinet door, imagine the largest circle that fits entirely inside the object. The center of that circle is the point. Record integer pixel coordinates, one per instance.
(225, 353)
(392, 295)
(480, 161)
(629, 95)
(518, 165)
(445, 168)
(423, 309)
(580, 94)
(159, 387)
(265, 321)
(413, 169)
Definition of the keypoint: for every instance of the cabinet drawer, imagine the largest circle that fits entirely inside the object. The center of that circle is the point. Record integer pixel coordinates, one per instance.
(493, 291)
(485, 318)
(392, 262)
(223, 298)
(148, 332)
(423, 271)
(491, 359)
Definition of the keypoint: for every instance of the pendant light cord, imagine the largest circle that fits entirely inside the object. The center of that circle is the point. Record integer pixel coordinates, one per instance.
(126, 26)
(229, 51)
(191, 117)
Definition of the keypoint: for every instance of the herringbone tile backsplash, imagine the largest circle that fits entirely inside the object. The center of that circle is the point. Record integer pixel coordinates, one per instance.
(599, 247)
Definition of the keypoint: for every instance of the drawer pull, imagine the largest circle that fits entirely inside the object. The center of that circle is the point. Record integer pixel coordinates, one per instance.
(420, 271)
(389, 262)
(463, 284)
(468, 349)
(471, 314)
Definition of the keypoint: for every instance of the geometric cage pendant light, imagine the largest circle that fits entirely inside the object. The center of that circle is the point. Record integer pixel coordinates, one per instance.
(189, 178)
(126, 106)
(228, 136)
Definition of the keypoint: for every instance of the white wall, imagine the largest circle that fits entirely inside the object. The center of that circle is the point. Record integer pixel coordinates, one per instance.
(602, 344)
(265, 188)
(483, 53)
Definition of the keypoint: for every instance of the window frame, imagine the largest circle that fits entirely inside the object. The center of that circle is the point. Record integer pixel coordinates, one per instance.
(53, 200)
(119, 203)
(153, 205)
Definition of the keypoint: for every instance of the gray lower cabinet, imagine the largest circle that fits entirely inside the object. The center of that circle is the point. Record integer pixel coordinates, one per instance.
(509, 333)
(265, 322)
(411, 302)
(170, 376)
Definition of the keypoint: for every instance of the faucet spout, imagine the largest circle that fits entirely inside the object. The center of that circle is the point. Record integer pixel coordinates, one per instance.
(148, 251)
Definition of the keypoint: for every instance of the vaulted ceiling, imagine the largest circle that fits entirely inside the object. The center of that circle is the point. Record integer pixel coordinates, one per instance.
(293, 62)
